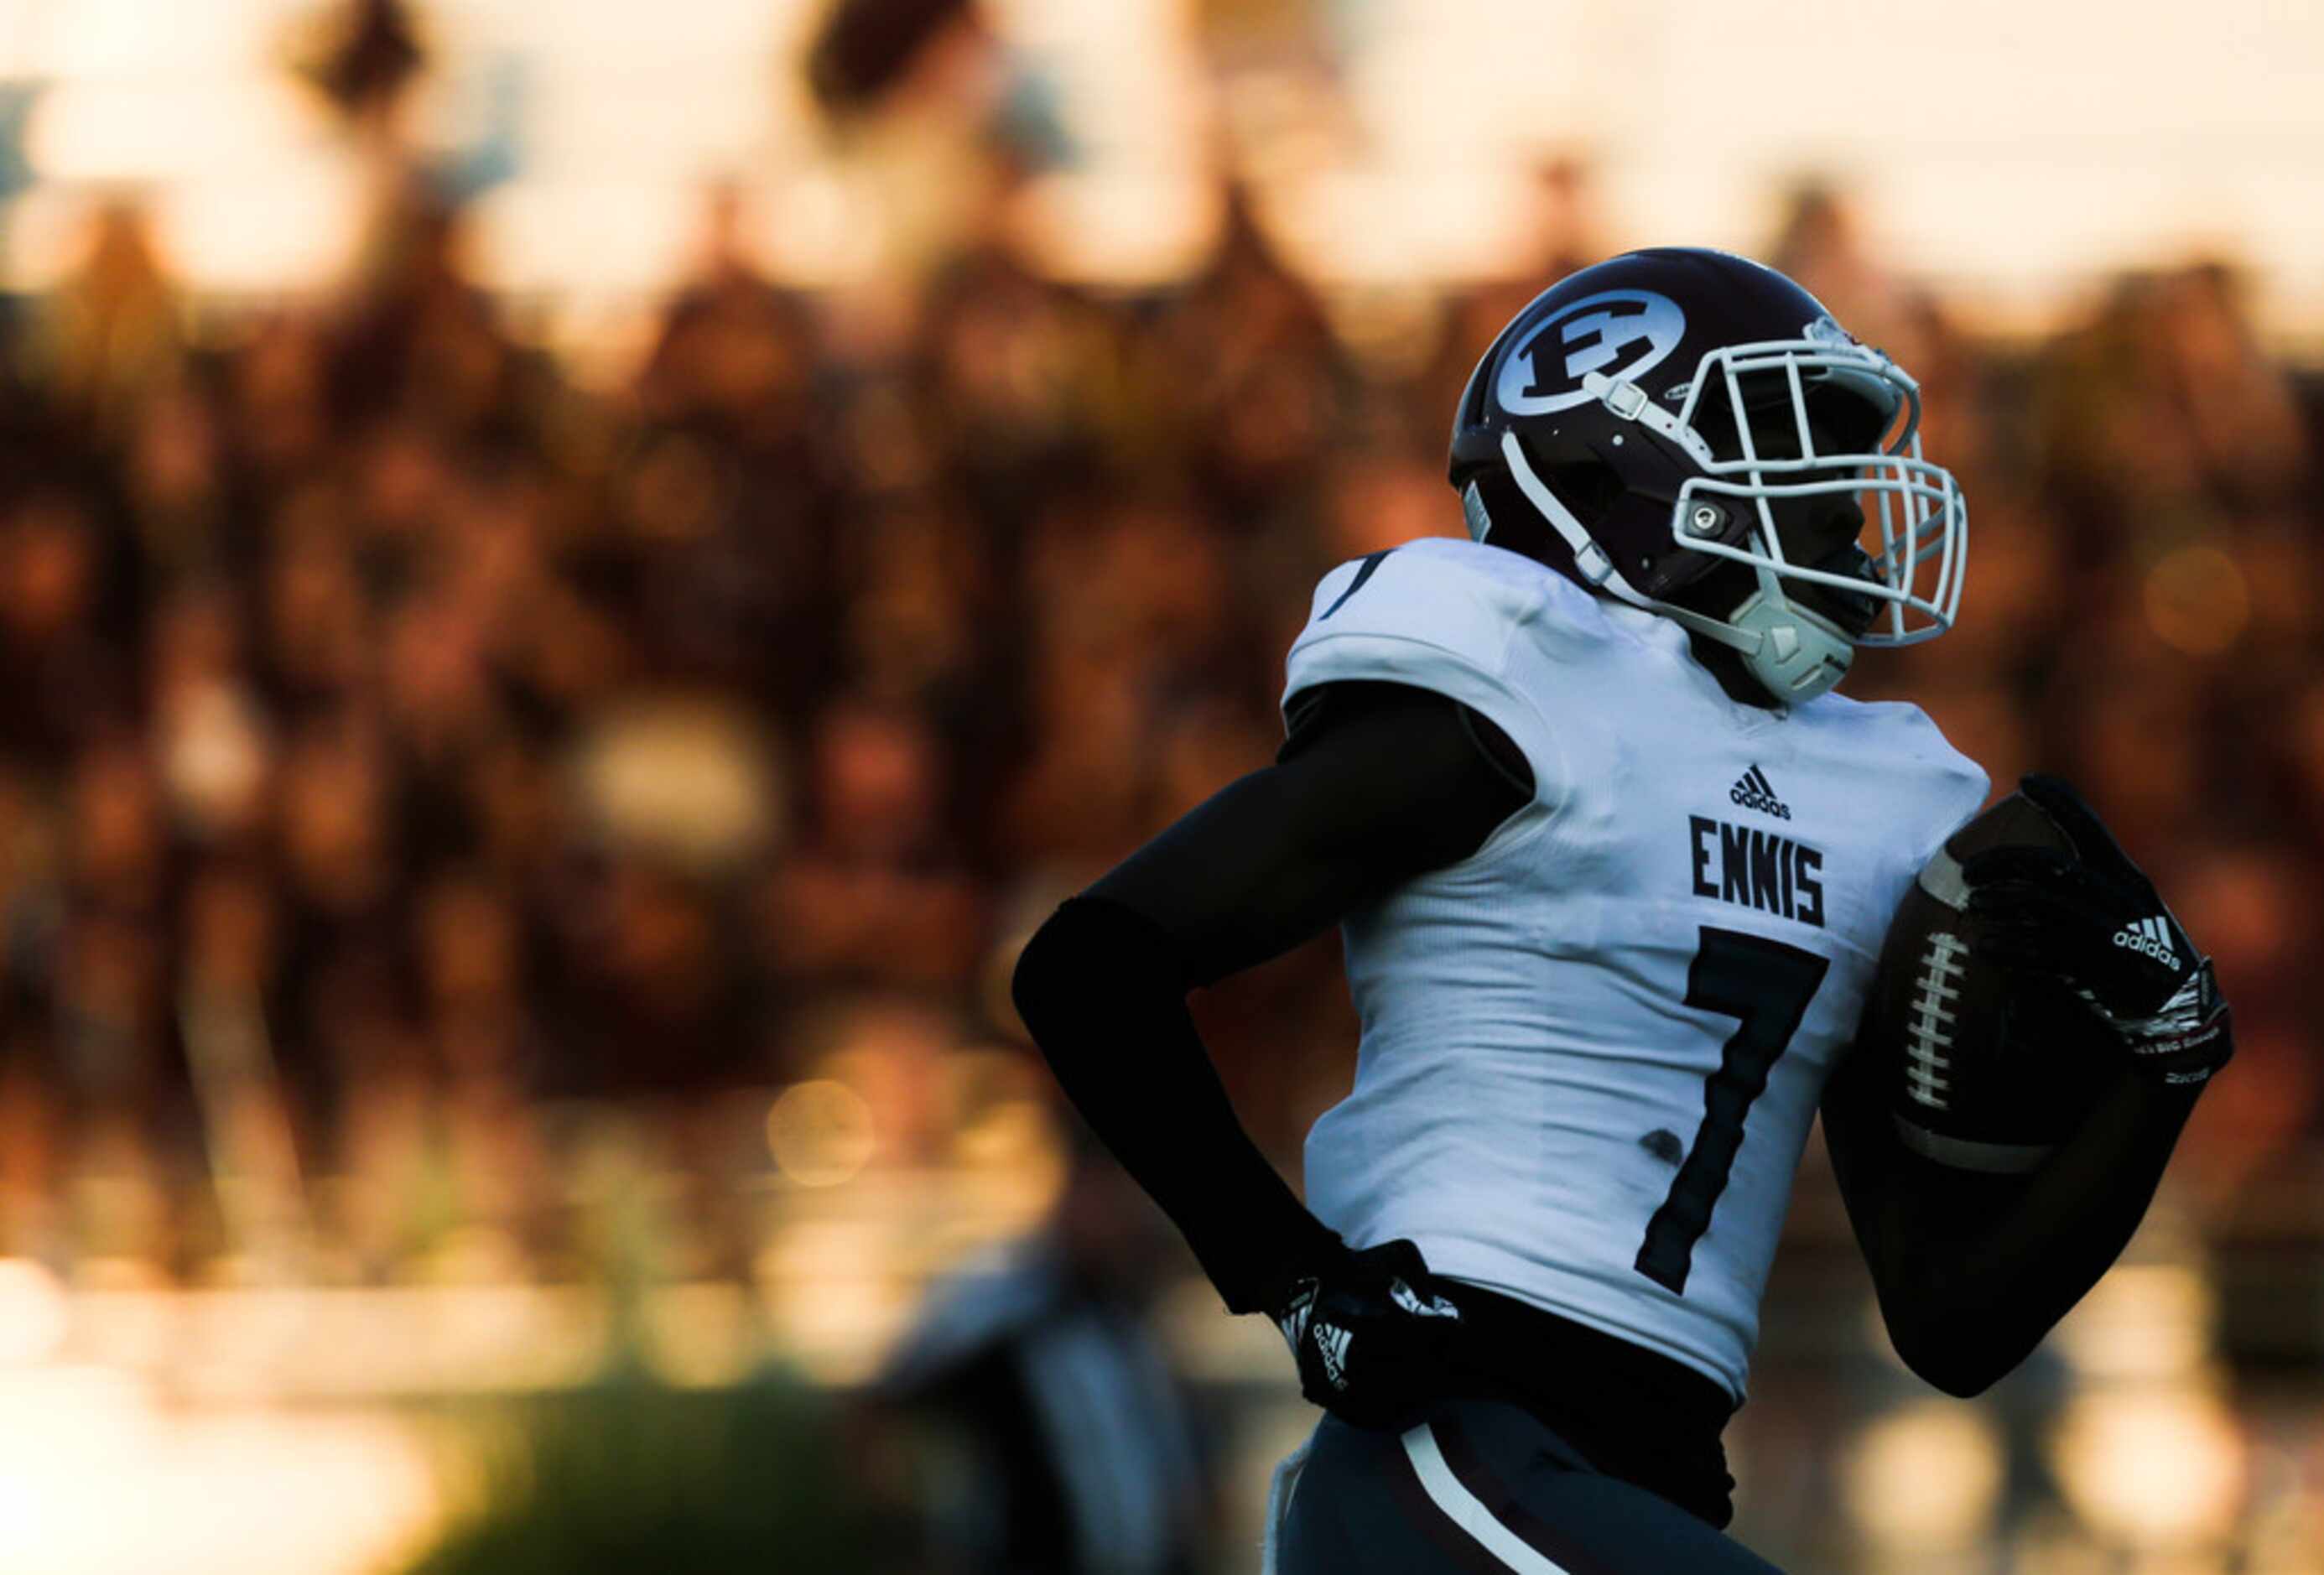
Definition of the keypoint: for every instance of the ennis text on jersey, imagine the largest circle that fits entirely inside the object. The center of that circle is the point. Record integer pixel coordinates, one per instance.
(1754, 869)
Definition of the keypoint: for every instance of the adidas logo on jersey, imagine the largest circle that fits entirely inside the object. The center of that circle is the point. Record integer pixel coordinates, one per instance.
(2151, 937)
(1752, 791)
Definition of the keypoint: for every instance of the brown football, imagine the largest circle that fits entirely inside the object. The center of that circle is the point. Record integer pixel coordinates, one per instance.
(1985, 1072)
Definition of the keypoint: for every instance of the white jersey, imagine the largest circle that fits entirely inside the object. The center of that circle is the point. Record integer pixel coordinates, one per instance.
(1591, 1051)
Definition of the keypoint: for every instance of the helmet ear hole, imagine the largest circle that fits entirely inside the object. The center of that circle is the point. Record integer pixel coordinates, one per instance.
(1589, 487)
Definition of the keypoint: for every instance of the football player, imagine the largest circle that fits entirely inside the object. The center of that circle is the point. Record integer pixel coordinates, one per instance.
(1613, 866)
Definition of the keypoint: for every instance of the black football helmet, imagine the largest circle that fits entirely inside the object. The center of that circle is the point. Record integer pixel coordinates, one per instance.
(1673, 411)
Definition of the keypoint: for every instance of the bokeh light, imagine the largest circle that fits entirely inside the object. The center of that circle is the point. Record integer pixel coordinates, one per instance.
(2153, 1466)
(820, 1133)
(1924, 1478)
(2197, 601)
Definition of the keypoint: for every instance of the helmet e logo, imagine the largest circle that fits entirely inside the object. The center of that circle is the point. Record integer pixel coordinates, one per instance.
(1622, 333)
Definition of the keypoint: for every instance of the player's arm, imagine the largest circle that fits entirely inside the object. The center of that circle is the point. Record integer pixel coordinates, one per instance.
(1972, 1270)
(1378, 783)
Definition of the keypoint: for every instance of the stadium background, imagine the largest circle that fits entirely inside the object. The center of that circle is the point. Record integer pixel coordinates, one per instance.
(573, 579)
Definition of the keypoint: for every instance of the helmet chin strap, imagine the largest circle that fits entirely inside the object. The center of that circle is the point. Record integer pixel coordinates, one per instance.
(1792, 653)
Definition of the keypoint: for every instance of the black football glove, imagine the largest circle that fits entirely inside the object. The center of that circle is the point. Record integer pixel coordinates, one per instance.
(1370, 1337)
(2094, 922)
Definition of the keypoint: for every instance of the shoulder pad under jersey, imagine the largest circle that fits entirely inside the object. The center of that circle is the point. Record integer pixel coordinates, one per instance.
(1434, 613)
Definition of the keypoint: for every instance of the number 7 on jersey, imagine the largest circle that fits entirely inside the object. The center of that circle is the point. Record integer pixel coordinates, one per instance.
(1766, 986)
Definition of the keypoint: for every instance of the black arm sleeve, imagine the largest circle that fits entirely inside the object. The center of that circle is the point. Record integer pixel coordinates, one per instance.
(1379, 785)
(1972, 1270)
(1376, 784)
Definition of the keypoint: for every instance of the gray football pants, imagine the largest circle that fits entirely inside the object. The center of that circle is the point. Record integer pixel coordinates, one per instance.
(1479, 1488)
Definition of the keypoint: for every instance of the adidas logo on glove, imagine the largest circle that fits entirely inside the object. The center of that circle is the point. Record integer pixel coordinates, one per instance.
(1331, 1344)
(2151, 937)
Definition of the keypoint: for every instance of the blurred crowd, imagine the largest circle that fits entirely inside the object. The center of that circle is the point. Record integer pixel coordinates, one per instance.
(404, 745)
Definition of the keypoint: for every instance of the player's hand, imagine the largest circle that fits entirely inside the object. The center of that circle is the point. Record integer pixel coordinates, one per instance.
(2095, 923)
(1370, 1334)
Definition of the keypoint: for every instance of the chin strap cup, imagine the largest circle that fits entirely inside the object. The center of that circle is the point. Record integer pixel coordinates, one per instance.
(1799, 654)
